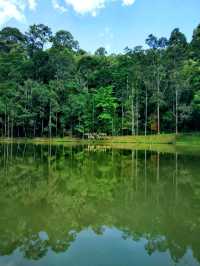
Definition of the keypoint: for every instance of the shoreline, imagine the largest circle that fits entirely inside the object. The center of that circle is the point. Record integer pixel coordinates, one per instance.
(169, 139)
(164, 143)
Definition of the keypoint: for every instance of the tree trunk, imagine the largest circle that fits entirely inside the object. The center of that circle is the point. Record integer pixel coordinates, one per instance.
(93, 114)
(158, 103)
(137, 116)
(5, 124)
(42, 127)
(176, 112)
(8, 129)
(12, 128)
(34, 128)
(133, 113)
(146, 112)
(122, 118)
(50, 121)
(56, 124)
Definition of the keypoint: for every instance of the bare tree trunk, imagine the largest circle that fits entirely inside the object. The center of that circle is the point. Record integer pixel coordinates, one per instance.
(5, 123)
(42, 127)
(12, 128)
(158, 114)
(56, 124)
(176, 112)
(176, 177)
(93, 115)
(34, 128)
(50, 121)
(122, 118)
(137, 116)
(133, 113)
(8, 129)
(112, 127)
(146, 111)
(158, 104)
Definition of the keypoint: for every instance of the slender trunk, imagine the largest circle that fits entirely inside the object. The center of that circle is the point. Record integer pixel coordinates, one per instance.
(158, 102)
(50, 121)
(12, 128)
(8, 129)
(133, 113)
(176, 177)
(24, 129)
(56, 124)
(93, 114)
(112, 127)
(42, 127)
(146, 111)
(137, 116)
(158, 114)
(122, 117)
(34, 128)
(176, 111)
(5, 123)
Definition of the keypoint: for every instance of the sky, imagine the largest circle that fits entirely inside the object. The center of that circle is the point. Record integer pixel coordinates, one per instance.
(113, 24)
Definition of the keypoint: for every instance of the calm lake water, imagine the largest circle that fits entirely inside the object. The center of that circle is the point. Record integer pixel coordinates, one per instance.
(95, 206)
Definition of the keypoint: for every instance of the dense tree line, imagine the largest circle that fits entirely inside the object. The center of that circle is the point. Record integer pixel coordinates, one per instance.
(49, 86)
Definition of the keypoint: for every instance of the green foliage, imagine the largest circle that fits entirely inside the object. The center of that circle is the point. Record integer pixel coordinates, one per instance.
(106, 106)
(196, 101)
(51, 87)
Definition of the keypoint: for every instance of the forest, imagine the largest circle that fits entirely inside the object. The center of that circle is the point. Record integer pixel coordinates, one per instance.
(50, 87)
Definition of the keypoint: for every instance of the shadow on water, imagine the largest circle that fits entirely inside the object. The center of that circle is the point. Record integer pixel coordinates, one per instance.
(94, 205)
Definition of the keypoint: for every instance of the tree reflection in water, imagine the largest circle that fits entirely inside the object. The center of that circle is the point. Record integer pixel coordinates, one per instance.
(50, 194)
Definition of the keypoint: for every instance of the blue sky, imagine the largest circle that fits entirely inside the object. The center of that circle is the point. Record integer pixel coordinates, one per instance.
(113, 24)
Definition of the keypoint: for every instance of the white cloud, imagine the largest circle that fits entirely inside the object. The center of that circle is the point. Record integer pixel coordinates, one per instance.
(32, 4)
(8, 10)
(92, 6)
(128, 2)
(14, 9)
(58, 6)
(87, 6)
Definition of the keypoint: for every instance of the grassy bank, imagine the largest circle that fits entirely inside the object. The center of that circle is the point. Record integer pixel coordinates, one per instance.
(150, 139)
(188, 139)
(181, 139)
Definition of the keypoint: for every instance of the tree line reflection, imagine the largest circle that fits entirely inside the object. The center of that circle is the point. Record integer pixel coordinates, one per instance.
(49, 194)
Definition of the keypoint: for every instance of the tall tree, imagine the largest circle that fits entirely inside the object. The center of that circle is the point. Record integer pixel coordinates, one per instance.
(37, 37)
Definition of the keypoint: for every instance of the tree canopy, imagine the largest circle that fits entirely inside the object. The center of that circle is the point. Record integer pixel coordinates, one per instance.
(49, 86)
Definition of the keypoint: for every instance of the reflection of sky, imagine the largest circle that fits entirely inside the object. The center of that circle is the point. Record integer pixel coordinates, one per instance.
(108, 249)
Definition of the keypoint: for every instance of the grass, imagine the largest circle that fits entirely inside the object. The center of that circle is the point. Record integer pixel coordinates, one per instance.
(191, 139)
(150, 139)
(164, 143)
(181, 139)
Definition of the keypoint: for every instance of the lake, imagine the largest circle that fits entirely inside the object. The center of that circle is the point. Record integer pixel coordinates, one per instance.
(98, 206)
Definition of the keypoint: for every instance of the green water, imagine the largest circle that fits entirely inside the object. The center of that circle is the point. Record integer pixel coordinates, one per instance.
(95, 206)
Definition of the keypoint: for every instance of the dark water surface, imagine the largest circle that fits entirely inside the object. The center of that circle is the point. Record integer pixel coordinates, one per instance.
(94, 206)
